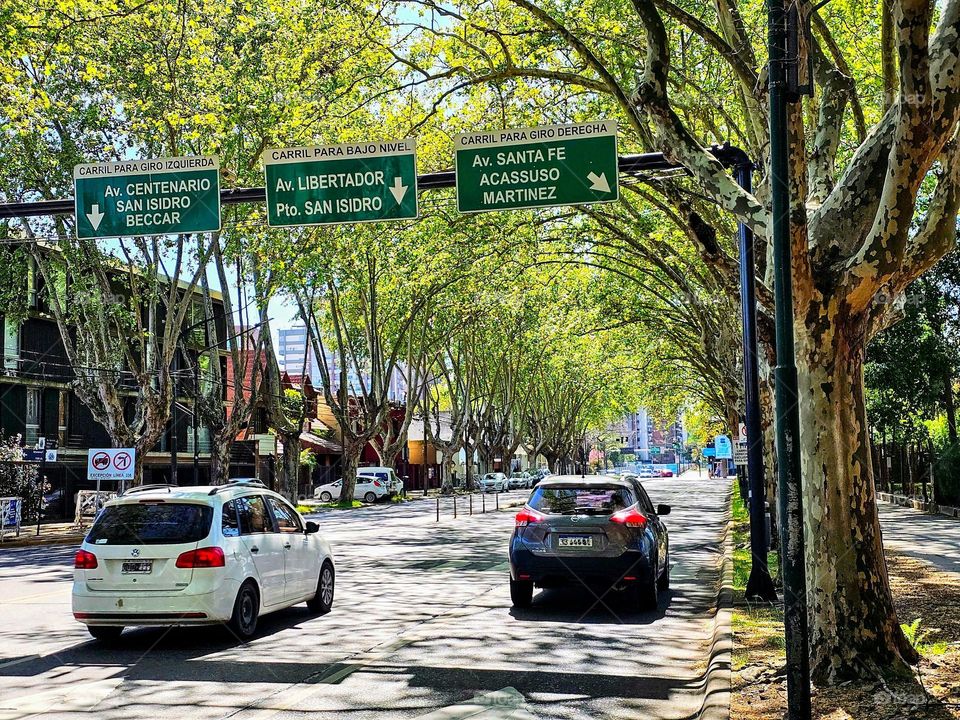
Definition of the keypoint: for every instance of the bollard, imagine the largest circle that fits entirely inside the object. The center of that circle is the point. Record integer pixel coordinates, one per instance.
(454, 506)
(498, 501)
(483, 499)
(471, 504)
(438, 509)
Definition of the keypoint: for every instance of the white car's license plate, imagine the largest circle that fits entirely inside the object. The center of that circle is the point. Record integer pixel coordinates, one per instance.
(138, 567)
(582, 541)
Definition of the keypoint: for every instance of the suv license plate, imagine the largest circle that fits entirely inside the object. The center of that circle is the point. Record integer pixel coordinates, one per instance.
(580, 541)
(140, 567)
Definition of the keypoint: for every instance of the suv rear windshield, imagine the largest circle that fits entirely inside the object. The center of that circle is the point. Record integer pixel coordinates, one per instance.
(151, 524)
(581, 500)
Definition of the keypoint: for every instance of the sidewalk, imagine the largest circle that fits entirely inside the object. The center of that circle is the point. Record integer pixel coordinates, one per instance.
(50, 534)
(932, 538)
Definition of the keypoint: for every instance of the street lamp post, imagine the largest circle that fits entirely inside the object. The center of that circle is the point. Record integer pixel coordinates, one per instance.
(790, 500)
(760, 584)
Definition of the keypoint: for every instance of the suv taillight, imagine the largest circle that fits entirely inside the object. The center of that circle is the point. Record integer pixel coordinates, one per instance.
(376, 483)
(84, 560)
(202, 558)
(631, 517)
(528, 517)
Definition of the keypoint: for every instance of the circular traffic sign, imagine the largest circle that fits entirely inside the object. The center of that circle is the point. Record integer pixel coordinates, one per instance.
(121, 461)
(101, 461)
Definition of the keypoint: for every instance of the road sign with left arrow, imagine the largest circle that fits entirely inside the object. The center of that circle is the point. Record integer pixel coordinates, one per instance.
(537, 167)
(162, 196)
(346, 183)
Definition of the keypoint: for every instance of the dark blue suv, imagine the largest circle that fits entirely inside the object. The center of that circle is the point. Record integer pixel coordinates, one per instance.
(590, 530)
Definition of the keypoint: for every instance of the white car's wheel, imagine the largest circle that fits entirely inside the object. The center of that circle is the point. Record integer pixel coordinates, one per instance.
(326, 497)
(370, 497)
(246, 611)
(323, 600)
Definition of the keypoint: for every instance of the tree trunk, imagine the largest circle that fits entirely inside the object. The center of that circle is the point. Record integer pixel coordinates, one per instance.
(290, 475)
(220, 460)
(351, 460)
(551, 461)
(447, 462)
(948, 404)
(854, 628)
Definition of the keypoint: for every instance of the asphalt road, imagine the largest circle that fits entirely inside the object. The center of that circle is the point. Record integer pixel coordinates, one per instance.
(421, 628)
(932, 538)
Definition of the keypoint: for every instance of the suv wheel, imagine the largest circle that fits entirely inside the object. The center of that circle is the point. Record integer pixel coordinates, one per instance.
(105, 633)
(645, 595)
(246, 611)
(521, 593)
(323, 600)
(663, 582)
(370, 497)
(326, 497)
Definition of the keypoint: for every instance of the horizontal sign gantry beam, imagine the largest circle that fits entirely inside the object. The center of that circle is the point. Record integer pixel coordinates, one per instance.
(627, 165)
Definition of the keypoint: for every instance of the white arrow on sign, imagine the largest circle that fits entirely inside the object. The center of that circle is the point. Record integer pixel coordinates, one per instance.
(95, 216)
(598, 182)
(398, 189)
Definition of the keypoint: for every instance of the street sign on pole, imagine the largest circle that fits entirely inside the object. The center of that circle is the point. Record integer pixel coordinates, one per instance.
(162, 196)
(346, 183)
(537, 167)
(724, 447)
(111, 463)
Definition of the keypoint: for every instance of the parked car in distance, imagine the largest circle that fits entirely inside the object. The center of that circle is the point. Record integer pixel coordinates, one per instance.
(166, 555)
(594, 530)
(518, 481)
(368, 488)
(385, 475)
(493, 482)
(645, 471)
(666, 472)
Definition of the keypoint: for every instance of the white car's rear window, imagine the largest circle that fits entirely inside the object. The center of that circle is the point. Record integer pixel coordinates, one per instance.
(151, 524)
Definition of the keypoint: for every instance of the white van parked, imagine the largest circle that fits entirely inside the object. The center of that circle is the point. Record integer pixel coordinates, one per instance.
(385, 475)
(167, 555)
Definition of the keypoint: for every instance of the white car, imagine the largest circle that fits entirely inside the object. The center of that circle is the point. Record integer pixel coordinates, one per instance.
(645, 471)
(519, 481)
(385, 475)
(368, 488)
(167, 555)
(493, 482)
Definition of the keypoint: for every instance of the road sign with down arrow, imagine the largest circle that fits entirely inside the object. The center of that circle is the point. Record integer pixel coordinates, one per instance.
(160, 196)
(347, 183)
(537, 167)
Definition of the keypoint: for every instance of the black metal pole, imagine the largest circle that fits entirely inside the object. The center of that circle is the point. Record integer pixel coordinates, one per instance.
(173, 421)
(789, 488)
(196, 421)
(760, 584)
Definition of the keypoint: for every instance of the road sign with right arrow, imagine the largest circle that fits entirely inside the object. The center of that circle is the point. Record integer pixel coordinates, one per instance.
(161, 196)
(537, 167)
(346, 183)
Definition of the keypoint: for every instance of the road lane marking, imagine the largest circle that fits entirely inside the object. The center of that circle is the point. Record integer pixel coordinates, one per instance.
(35, 596)
(501, 704)
(77, 697)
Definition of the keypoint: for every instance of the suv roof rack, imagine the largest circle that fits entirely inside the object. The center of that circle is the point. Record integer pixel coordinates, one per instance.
(234, 483)
(144, 488)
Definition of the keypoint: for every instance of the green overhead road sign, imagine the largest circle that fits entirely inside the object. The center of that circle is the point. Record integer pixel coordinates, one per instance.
(537, 167)
(163, 196)
(347, 183)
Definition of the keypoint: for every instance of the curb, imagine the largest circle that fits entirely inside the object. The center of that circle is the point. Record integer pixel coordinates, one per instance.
(929, 507)
(34, 541)
(717, 683)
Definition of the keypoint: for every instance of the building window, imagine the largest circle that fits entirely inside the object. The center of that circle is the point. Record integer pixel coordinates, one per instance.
(33, 417)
